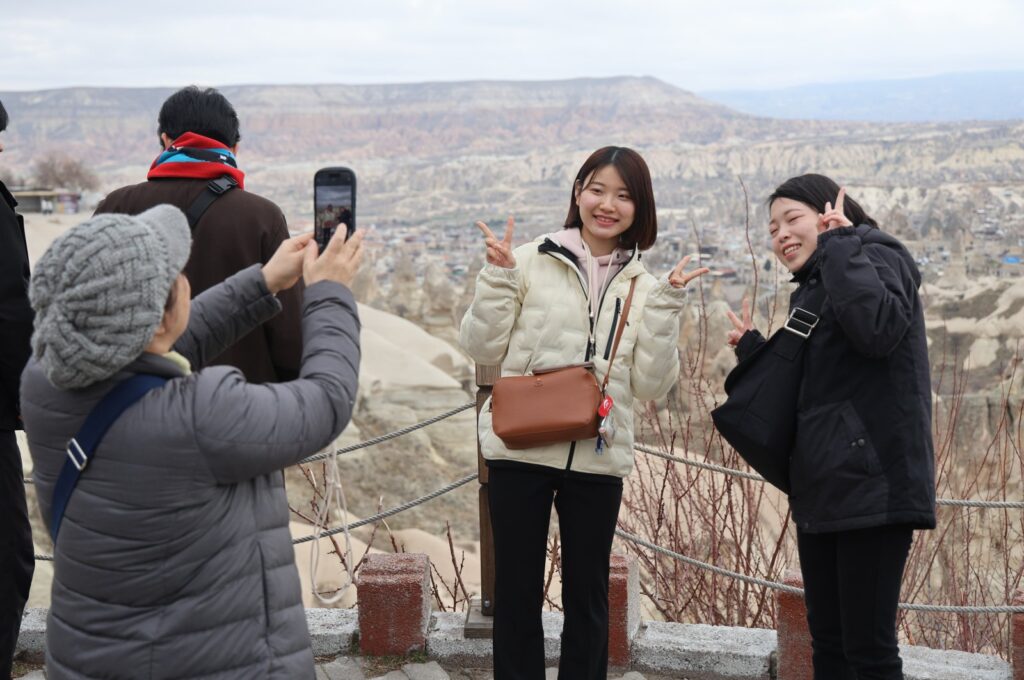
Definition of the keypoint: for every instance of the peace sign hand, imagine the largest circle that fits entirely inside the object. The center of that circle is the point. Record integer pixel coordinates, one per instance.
(739, 327)
(678, 278)
(834, 217)
(499, 253)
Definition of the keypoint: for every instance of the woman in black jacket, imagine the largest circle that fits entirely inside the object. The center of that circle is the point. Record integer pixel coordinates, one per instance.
(862, 468)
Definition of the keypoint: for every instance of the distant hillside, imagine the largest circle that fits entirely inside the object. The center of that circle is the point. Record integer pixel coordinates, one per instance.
(943, 98)
(433, 157)
(118, 126)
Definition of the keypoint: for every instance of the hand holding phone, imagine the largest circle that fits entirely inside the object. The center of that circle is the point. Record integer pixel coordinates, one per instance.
(339, 262)
(334, 204)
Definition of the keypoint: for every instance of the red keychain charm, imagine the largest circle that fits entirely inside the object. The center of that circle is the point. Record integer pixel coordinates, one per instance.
(606, 406)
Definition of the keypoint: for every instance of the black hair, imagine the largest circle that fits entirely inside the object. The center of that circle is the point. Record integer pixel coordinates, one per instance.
(204, 112)
(637, 177)
(3, 117)
(816, 191)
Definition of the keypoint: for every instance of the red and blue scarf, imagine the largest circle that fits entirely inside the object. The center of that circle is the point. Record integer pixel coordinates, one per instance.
(196, 157)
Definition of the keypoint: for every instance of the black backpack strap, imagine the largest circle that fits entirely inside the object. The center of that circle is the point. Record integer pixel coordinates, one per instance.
(214, 190)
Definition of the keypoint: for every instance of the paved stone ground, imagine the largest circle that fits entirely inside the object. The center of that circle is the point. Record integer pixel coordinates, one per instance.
(358, 668)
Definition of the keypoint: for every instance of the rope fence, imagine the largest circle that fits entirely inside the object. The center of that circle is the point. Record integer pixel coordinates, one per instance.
(752, 580)
(393, 511)
(955, 502)
(391, 435)
(711, 467)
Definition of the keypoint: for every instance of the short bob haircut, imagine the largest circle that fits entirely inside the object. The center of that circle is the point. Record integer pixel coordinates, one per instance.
(204, 112)
(816, 191)
(631, 167)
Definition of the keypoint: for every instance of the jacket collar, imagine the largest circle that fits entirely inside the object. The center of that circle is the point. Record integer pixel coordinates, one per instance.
(809, 267)
(632, 268)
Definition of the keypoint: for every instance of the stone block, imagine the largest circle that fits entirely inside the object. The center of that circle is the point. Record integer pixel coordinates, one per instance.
(394, 604)
(331, 631)
(623, 609)
(702, 652)
(448, 644)
(1017, 638)
(794, 651)
(31, 645)
(922, 663)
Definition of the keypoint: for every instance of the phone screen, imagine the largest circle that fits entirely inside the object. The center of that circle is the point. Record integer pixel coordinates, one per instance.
(334, 203)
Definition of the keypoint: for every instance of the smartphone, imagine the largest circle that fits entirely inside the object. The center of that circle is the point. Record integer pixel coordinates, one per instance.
(334, 204)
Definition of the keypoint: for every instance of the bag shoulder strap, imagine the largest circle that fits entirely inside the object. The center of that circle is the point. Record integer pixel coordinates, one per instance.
(800, 323)
(618, 333)
(83, 445)
(215, 188)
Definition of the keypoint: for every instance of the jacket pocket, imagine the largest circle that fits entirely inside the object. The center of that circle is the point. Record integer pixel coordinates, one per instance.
(832, 447)
(264, 591)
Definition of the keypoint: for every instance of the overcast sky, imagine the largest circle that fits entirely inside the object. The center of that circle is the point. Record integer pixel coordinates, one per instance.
(707, 45)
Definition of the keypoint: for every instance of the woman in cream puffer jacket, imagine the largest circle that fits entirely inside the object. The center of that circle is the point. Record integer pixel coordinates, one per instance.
(553, 302)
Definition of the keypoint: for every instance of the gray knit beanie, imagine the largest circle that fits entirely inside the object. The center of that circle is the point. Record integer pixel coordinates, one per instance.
(99, 292)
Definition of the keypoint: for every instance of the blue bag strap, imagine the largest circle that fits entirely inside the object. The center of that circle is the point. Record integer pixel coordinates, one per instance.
(83, 445)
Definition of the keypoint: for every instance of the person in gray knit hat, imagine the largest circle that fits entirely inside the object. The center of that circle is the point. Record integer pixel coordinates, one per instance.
(174, 557)
(99, 292)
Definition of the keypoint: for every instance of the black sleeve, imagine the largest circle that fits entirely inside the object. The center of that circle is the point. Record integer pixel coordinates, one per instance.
(871, 289)
(15, 314)
(749, 342)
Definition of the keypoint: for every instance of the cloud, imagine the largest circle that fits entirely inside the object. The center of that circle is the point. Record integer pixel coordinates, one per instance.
(730, 44)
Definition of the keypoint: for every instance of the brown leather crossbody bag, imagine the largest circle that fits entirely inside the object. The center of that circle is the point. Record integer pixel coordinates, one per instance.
(552, 405)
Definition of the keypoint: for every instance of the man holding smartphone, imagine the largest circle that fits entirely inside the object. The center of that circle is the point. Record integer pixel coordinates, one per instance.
(232, 229)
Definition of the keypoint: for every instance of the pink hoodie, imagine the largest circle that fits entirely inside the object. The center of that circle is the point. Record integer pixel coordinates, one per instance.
(597, 271)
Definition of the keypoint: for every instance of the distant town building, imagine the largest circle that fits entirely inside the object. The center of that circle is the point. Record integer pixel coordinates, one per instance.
(46, 201)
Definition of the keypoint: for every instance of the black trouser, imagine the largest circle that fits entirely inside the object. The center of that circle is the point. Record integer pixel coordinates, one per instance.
(852, 586)
(520, 501)
(16, 562)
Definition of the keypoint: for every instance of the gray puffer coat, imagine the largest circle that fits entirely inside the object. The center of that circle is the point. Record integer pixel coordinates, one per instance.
(174, 558)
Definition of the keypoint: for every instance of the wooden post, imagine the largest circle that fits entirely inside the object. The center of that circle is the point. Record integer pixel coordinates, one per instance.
(479, 622)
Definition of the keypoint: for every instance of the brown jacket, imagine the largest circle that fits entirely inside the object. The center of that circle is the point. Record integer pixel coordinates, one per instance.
(238, 230)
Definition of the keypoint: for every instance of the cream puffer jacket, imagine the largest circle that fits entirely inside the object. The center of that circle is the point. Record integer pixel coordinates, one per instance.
(537, 315)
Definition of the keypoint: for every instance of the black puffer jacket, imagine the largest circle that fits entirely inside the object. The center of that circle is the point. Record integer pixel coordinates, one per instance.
(863, 455)
(15, 311)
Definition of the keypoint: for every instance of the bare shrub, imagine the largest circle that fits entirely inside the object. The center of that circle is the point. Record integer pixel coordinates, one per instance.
(57, 170)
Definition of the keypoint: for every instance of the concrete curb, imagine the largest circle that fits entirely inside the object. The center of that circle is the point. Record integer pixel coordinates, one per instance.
(699, 651)
(332, 631)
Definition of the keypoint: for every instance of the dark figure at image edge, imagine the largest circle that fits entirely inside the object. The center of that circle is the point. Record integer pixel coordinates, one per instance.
(16, 552)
